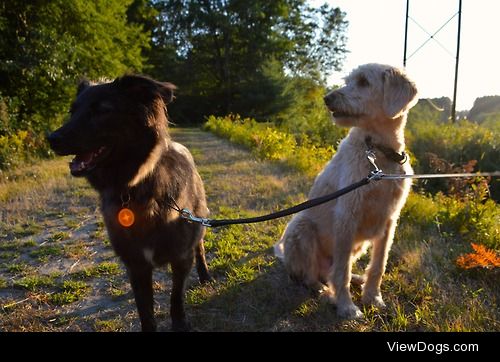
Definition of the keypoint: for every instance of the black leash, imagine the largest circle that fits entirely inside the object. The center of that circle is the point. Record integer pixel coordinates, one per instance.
(186, 214)
(376, 175)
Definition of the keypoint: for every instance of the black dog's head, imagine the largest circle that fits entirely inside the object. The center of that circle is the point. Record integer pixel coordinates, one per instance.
(113, 124)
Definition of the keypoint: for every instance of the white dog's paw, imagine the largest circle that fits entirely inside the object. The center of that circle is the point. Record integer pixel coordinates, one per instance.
(357, 279)
(328, 294)
(375, 300)
(349, 312)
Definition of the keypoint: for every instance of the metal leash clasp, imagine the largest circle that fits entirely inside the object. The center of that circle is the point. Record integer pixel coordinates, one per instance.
(376, 174)
(188, 215)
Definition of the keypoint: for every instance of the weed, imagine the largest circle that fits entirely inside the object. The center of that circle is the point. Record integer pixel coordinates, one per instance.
(8, 255)
(18, 268)
(108, 268)
(105, 268)
(71, 291)
(58, 236)
(35, 282)
(110, 325)
(77, 250)
(43, 252)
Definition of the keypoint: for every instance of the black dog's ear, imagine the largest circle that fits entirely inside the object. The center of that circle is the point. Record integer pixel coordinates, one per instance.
(167, 91)
(145, 88)
(84, 84)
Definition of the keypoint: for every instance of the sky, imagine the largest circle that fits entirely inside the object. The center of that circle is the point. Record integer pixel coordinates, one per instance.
(376, 34)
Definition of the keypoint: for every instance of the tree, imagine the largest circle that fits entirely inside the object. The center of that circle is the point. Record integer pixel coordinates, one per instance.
(46, 46)
(319, 40)
(234, 55)
(484, 107)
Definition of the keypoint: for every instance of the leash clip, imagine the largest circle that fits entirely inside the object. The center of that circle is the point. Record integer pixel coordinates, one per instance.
(188, 215)
(377, 173)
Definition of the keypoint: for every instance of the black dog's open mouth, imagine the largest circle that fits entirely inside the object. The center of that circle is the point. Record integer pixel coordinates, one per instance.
(341, 114)
(85, 162)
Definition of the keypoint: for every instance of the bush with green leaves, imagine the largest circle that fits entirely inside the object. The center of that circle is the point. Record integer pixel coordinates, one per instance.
(269, 142)
(456, 144)
(471, 216)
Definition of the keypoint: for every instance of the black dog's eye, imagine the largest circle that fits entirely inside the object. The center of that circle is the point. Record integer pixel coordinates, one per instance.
(363, 82)
(105, 107)
(101, 108)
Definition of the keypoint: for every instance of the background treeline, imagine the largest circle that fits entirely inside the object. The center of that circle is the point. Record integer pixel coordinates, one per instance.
(264, 59)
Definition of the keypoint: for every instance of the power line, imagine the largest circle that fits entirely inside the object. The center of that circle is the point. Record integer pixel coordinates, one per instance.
(433, 37)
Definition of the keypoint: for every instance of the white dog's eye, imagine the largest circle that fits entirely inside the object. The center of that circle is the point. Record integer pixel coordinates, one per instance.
(363, 82)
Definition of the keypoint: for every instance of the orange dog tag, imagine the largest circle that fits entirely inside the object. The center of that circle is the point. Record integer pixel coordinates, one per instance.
(126, 217)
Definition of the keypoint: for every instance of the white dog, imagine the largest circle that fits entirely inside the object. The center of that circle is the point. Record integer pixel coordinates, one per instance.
(320, 244)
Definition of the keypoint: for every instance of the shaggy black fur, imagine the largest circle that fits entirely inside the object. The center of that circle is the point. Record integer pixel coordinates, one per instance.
(118, 132)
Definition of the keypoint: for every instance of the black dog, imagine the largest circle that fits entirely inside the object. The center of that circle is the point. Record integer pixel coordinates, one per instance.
(118, 132)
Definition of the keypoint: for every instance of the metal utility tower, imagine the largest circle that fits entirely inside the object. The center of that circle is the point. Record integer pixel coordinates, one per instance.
(432, 37)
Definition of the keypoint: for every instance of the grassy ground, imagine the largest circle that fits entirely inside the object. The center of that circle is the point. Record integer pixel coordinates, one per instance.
(58, 272)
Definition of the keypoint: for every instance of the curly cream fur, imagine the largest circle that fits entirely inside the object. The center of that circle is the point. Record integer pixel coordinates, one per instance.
(320, 244)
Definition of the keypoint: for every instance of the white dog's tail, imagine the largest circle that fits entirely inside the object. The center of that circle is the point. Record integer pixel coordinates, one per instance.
(279, 249)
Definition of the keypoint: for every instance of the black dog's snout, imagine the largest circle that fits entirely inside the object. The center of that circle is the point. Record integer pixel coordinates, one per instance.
(330, 97)
(55, 140)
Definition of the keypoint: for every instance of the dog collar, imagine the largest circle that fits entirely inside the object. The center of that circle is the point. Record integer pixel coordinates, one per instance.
(388, 152)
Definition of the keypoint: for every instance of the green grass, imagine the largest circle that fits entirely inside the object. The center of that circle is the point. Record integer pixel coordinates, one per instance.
(75, 283)
(18, 268)
(70, 291)
(33, 283)
(58, 236)
(105, 268)
(43, 252)
(110, 325)
(422, 282)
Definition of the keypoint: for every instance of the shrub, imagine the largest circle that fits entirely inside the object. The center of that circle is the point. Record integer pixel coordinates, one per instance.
(457, 144)
(268, 142)
(466, 214)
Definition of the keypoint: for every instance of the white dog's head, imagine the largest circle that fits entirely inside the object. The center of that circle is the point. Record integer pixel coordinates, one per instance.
(372, 92)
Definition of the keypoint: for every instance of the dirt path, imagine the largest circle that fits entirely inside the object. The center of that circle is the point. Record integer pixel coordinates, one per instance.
(58, 272)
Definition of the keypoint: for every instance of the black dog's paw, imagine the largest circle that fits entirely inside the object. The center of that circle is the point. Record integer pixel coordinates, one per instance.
(206, 278)
(181, 326)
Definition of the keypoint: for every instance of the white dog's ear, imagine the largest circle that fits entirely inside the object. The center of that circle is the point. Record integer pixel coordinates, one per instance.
(399, 93)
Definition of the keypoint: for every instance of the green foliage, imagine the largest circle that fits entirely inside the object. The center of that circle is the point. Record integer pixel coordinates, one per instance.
(474, 219)
(307, 117)
(71, 291)
(319, 41)
(14, 148)
(233, 56)
(435, 109)
(46, 46)
(472, 216)
(456, 144)
(484, 107)
(270, 143)
(33, 283)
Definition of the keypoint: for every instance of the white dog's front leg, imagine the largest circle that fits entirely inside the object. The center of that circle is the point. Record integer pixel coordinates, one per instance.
(341, 278)
(375, 271)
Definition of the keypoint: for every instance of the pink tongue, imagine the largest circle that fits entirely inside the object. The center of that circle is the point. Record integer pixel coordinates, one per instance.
(80, 162)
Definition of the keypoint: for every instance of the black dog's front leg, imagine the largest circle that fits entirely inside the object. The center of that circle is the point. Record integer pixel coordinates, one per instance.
(141, 279)
(201, 264)
(180, 271)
